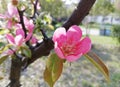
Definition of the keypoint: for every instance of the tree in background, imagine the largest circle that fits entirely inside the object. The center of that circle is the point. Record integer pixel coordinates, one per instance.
(56, 8)
(117, 7)
(103, 7)
(116, 28)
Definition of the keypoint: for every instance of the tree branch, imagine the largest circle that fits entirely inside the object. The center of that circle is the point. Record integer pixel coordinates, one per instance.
(79, 13)
(22, 21)
(47, 45)
(42, 50)
(35, 8)
(77, 16)
(15, 72)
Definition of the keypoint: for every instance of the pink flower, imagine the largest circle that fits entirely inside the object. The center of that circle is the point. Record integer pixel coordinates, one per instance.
(20, 31)
(9, 52)
(18, 39)
(11, 14)
(69, 45)
(29, 25)
(33, 40)
(12, 10)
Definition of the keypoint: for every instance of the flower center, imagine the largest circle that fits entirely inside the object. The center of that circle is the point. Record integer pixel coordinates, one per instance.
(67, 49)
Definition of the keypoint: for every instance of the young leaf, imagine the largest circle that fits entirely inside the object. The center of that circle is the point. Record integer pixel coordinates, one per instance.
(26, 51)
(54, 66)
(1, 44)
(48, 77)
(92, 57)
(2, 59)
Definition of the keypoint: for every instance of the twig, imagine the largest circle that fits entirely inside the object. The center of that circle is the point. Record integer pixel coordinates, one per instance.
(35, 9)
(23, 25)
(22, 21)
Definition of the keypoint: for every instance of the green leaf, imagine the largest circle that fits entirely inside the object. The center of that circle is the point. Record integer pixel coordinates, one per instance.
(2, 44)
(92, 57)
(26, 51)
(3, 31)
(2, 59)
(54, 66)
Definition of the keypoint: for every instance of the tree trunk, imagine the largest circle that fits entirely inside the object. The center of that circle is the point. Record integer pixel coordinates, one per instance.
(15, 72)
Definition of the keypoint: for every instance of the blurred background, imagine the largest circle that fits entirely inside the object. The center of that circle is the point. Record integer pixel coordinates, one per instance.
(102, 25)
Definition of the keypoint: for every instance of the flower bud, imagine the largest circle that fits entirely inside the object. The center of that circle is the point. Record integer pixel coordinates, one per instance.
(15, 2)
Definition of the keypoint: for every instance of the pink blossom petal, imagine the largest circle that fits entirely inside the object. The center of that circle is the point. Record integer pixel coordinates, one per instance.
(19, 40)
(18, 26)
(84, 45)
(58, 51)
(28, 37)
(33, 40)
(2, 16)
(9, 24)
(29, 24)
(12, 10)
(59, 36)
(72, 58)
(38, 6)
(9, 52)
(10, 39)
(20, 32)
(74, 34)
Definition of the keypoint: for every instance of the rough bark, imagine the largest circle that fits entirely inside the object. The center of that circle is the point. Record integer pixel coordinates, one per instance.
(46, 46)
(15, 72)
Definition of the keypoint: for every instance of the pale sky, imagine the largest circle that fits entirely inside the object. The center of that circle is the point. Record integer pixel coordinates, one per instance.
(71, 1)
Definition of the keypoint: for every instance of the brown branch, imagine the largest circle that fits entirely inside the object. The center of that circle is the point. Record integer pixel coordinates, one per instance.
(22, 21)
(46, 46)
(42, 50)
(35, 8)
(79, 13)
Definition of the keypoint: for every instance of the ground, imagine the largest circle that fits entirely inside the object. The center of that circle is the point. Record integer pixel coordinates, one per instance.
(78, 74)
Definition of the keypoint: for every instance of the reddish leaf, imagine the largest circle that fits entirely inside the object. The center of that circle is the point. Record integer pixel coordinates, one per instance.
(92, 57)
(54, 66)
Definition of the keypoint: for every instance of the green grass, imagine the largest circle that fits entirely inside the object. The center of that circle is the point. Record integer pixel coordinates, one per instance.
(104, 40)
